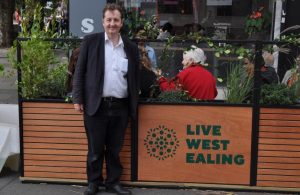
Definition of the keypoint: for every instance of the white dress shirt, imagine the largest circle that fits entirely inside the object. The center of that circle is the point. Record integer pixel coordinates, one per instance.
(116, 67)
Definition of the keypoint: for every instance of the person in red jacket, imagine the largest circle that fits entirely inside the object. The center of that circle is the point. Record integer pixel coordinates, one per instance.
(194, 78)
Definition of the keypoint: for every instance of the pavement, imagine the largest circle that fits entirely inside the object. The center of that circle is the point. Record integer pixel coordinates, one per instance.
(10, 183)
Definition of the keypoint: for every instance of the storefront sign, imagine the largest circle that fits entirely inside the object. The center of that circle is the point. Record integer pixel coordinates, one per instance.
(85, 17)
(218, 2)
(202, 144)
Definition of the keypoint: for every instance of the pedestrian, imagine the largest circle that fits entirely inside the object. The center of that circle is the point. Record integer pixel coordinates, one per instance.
(18, 17)
(105, 89)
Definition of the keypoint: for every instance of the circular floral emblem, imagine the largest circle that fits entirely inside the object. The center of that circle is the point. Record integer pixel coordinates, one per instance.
(161, 142)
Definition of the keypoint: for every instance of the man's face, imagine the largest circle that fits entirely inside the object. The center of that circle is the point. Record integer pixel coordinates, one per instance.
(112, 22)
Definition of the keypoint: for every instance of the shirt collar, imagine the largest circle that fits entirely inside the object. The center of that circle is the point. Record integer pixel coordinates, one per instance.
(121, 43)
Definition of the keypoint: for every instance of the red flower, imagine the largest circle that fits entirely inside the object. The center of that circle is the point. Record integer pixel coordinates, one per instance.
(258, 14)
(143, 12)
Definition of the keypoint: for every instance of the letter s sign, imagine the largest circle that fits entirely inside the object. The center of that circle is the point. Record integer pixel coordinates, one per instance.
(87, 25)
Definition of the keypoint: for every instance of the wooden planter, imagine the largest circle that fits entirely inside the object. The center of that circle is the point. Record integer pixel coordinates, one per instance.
(197, 143)
(55, 144)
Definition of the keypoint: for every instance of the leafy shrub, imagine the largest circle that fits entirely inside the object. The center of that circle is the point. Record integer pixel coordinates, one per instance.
(279, 94)
(56, 85)
(36, 76)
(173, 96)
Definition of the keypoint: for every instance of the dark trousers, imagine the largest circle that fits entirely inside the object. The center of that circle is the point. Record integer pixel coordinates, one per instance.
(105, 133)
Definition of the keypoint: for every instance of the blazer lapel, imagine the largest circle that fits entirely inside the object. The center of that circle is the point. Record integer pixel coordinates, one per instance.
(127, 52)
(101, 53)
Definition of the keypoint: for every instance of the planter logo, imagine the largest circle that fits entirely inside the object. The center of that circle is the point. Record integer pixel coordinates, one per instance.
(161, 142)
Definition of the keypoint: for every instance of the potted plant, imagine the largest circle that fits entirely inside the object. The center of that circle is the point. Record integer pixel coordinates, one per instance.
(257, 23)
(239, 85)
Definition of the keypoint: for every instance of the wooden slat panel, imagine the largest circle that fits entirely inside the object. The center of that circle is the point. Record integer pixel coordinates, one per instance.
(56, 146)
(64, 146)
(62, 140)
(66, 169)
(60, 159)
(69, 117)
(53, 128)
(65, 175)
(278, 178)
(126, 163)
(125, 154)
(55, 143)
(49, 111)
(279, 129)
(54, 134)
(55, 163)
(279, 141)
(42, 157)
(278, 184)
(279, 153)
(47, 105)
(54, 140)
(279, 110)
(54, 123)
(278, 166)
(279, 123)
(66, 152)
(56, 152)
(61, 135)
(56, 175)
(280, 116)
(278, 172)
(280, 135)
(59, 129)
(278, 160)
(279, 147)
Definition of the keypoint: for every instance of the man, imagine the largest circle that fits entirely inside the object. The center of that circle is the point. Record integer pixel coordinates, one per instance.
(105, 89)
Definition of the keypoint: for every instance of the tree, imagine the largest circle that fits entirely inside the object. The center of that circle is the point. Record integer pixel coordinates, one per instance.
(6, 22)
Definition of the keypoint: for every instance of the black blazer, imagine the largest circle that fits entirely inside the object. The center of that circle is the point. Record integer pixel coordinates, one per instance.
(89, 73)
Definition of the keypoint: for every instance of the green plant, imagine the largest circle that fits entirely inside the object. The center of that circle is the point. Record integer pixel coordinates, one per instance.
(41, 73)
(1, 69)
(150, 30)
(37, 56)
(56, 85)
(279, 94)
(173, 96)
(239, 85)
(257, 21)
(134, 18)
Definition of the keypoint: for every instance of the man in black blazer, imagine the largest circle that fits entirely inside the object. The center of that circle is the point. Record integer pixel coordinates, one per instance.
(105, 89)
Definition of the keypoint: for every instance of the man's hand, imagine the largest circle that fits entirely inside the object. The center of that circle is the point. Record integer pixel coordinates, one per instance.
(78, 107)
